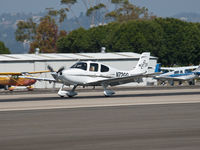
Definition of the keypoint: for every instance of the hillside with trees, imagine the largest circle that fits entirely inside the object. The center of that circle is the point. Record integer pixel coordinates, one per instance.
(171, 40)
(125, 28)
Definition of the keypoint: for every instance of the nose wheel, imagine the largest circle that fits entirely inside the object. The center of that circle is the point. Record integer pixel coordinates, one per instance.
(63, 93)
(71, 93)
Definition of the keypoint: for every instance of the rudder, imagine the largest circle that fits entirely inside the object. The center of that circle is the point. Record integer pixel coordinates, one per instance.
(143, 63)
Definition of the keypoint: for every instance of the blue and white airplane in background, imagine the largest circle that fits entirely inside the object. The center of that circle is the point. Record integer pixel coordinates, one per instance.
(179, 74)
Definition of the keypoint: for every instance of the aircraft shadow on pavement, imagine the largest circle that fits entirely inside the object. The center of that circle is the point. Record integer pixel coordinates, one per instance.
(97, 97)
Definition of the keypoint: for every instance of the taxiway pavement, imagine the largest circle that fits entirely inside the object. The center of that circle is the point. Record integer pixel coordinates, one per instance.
(97, 99)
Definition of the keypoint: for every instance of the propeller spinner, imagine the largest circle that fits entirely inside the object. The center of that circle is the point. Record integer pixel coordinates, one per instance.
(55, 74)
(61, 69)
(52, 70)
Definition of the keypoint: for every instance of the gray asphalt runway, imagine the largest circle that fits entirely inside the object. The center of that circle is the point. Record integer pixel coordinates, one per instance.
(143, 120)
(145, 127)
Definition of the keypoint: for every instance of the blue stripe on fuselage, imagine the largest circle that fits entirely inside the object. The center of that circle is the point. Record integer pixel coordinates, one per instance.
(182, 74)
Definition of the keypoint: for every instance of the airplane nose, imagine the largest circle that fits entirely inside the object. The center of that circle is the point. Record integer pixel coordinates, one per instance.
(60, 70)
(63, 75)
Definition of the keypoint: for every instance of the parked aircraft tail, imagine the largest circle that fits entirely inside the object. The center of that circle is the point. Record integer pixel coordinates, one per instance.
(157, 69)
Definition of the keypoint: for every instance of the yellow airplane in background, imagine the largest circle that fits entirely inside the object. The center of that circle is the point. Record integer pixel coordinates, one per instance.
(10, 80)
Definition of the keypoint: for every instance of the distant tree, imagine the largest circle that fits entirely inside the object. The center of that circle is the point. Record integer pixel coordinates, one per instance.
(68, 4)
(75, 42)
(128, 11)
(4, 49)
(58, 13)
(93, 10)
(180, 41)
(46, 36)
(26, 30)
(62, 33)
(43, 35)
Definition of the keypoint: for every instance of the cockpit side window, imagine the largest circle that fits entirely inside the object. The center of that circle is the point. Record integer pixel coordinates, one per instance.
(94, 67)
(176, 72)
(80, 65)
(188, 71)
(104, 68)
(165, 71)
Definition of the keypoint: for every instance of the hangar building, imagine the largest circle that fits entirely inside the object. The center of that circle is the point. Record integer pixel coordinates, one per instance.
(39, 62)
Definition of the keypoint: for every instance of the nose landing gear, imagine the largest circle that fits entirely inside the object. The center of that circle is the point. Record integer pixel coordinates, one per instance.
(71, 93)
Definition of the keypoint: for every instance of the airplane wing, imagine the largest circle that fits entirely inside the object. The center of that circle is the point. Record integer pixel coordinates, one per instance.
(121, 80)
(22, 73)
(42, 79)
(35, 72)
(39, 79)
(178, 68)
(177, 78)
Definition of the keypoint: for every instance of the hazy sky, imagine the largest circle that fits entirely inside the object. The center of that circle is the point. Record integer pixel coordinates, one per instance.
(164, 8)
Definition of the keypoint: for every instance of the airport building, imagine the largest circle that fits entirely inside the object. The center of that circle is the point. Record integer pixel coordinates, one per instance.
(39, 62)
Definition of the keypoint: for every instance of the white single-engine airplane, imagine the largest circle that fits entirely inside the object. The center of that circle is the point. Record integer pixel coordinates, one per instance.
(97, 74)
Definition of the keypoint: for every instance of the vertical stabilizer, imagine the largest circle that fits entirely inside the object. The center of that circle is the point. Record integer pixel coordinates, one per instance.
(157, 69)
(143, 63)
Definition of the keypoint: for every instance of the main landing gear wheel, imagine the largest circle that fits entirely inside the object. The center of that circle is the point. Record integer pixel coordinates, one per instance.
(107, 92)
(191, 82)
(72, 93)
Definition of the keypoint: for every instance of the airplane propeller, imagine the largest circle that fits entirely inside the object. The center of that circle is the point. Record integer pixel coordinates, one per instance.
(50, 68)
(55, 74)
(61, 69)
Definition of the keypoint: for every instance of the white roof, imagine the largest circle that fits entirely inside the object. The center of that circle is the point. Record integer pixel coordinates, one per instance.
(69, 56)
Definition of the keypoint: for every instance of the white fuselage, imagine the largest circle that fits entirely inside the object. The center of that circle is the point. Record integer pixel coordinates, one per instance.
(83, 76)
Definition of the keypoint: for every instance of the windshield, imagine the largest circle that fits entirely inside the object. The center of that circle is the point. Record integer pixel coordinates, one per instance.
(80, 65)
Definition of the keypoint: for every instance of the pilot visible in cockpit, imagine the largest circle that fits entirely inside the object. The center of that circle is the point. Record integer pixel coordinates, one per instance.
(92, 68)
